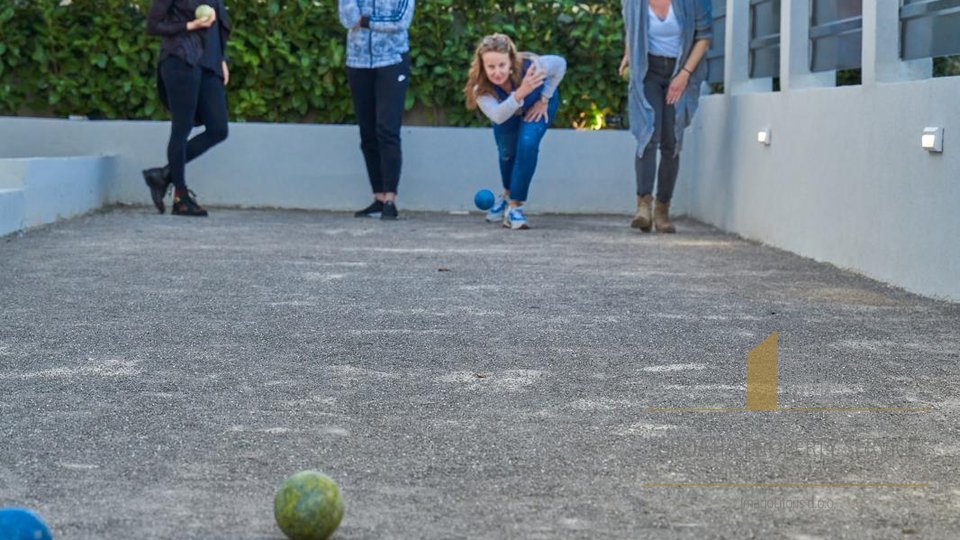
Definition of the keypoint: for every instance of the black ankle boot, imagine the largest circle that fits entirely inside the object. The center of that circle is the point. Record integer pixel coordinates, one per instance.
(158, 180)
(184, 204)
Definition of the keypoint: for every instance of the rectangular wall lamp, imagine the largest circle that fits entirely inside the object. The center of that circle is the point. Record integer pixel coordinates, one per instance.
(932, 139)
(763, 136)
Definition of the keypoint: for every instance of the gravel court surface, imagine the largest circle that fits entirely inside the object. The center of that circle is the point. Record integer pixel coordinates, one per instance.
(161, 376)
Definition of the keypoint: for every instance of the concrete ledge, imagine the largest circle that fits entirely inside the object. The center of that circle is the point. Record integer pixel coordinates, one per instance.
(11, 210)
(844, 181)
(37, 191)
(320, 167)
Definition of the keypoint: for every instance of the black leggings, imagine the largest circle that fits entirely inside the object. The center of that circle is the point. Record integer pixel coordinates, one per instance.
(192, 91)
(378, 98)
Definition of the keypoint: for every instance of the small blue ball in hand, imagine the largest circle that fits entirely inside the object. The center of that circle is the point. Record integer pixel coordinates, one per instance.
(484, 199)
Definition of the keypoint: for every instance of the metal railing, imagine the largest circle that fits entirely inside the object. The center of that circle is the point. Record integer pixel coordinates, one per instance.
(929, 28)
(764, 38)
(716, 52)
(836, 34)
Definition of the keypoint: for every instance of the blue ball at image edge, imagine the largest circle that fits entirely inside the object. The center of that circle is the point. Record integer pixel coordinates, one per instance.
(22, 524)
(484, 199)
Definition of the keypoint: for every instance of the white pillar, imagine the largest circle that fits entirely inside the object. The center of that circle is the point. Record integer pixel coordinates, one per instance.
(795, 49)
(881, 46)
(736, 67)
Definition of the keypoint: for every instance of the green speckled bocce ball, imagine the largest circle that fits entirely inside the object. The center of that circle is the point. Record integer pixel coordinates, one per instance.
(203, 11)
(308, 506)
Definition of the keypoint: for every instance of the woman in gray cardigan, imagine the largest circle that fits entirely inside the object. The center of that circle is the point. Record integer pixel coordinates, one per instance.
(665, 43)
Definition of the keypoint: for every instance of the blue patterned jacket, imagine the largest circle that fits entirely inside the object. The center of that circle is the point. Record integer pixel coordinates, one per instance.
(382, 38)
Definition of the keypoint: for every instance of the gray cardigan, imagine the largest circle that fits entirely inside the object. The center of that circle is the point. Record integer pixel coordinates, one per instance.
(695, 23)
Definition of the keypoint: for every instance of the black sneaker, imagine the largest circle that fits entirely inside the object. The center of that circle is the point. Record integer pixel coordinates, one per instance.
(374, 210)
(186, 205)
(158, 180)
(389, 211)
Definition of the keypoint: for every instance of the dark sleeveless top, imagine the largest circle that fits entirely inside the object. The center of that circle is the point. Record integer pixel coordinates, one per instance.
(531, 98)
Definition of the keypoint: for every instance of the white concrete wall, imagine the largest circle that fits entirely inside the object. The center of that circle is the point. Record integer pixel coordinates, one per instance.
(845, 180)
(11, 210)
(37, 191)
(321, 167)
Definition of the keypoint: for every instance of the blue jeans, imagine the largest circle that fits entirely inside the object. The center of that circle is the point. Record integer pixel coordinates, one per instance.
(518, 144)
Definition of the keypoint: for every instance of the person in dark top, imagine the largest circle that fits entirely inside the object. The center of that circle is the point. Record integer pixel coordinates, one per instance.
(192, 76)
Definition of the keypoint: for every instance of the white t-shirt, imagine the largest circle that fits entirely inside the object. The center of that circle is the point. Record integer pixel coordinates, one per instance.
(664, 37)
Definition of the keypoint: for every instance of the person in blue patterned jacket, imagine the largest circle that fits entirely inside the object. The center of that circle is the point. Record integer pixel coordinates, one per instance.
(378, 71)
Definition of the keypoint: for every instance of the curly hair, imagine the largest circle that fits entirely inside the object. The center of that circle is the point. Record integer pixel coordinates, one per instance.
(477, 82)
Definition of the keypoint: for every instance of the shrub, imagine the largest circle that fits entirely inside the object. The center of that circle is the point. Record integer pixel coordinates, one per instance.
(93, 58)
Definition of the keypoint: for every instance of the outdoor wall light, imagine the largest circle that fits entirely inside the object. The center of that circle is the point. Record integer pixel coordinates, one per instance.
(763, 137)
(932, 139)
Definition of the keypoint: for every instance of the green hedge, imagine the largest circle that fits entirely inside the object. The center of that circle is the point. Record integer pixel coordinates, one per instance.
(93, 58)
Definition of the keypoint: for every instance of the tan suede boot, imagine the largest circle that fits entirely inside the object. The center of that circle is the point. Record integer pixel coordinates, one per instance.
(643, 219)
(661, 218)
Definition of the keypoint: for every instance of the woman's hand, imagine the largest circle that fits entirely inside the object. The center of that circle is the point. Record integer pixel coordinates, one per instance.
(226, 73)
(531, 81)
(202, 24)
(537, 112)
(624, 63)
(677, 86)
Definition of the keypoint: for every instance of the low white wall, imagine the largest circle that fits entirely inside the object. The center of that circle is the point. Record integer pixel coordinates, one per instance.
(844, 181)
(37, 191)
(11, 210)
(321, 167)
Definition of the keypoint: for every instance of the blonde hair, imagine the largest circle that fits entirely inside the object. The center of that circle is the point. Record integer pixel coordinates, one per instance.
(477, 82)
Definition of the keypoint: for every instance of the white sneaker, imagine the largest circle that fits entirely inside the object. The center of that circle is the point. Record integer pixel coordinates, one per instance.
(496, 212)
(516, 219)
